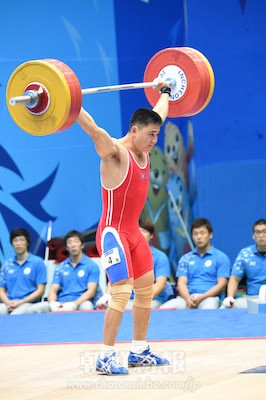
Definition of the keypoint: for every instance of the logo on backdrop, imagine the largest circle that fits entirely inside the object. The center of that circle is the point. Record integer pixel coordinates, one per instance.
(15, 206)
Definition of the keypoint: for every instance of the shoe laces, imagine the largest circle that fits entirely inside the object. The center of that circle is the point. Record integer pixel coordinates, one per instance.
(114, 361)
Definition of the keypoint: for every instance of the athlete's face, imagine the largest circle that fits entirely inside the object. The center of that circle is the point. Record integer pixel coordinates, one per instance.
(74, 246)
(146, 137)
(201, 237)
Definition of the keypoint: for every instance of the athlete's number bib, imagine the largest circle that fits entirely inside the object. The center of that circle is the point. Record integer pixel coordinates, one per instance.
(110, 257)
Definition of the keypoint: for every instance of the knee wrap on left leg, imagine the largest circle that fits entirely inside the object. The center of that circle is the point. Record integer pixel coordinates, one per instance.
(143, 296)
(120, 296)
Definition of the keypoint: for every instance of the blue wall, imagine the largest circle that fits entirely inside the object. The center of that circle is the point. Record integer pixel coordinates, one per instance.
(109, 42)
(230, 135)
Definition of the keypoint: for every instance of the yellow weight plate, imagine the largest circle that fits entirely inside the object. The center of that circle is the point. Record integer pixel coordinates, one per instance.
(60, 97)
(211, 83)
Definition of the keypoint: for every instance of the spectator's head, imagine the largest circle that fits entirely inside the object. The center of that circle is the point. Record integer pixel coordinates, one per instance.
(201, 231)
(147, 229)
(74, 242)
(20, 234)
(199, 222)
(20, 239)
(259, 222)
(259, 234)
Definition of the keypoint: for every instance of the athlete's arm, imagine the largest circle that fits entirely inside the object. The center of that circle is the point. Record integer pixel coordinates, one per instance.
(162, 105)
(106, 146)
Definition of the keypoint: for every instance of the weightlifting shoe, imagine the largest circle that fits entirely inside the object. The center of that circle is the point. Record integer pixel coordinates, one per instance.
(110, 366)
(146, 358)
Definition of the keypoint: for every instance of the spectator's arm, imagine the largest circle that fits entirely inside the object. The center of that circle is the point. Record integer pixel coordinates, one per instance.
(89, 294)
(3, 296)
(159, 285)
(233, 285)
(183, 290)
(37, 294)
(53, 292)
(212, 292)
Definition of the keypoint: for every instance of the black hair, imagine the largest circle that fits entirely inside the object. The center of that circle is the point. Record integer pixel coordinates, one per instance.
(199, 222)
(20, 232)
(259, 222)
(73, 233)
(145, 116)
(147, 225)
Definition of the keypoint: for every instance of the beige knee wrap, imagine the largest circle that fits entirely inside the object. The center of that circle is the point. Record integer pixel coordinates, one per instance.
(143, 296)
(120, 296)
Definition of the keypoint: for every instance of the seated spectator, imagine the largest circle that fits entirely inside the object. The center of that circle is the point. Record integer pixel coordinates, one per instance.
(23, 277)
(251, 264)
(75, 284)
(162, 288)
(202, 273)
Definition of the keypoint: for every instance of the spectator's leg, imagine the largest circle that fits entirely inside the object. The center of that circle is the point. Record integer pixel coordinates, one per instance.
(86, 305)
(211, 303)
(22, 309)
(40, 307)
(177, 303)
(155, 304)
(3, 309)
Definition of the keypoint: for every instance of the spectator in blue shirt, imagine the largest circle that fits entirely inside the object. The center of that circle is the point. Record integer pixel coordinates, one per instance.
(75, 283)
(23, 277)
(202, 274)
(251, 264)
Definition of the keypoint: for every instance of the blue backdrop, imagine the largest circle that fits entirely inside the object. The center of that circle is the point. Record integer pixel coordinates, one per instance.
(109, 42)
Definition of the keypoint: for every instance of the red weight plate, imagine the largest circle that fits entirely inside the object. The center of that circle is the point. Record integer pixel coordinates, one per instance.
(190, 75)
(75, 93)
(211, 81)
(205, 79)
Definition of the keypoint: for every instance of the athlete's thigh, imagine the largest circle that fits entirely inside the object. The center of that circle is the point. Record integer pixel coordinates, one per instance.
(116, 256)
(141, 257)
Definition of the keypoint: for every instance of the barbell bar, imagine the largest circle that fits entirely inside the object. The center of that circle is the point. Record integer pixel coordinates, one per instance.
(31, 97)
(45, 96)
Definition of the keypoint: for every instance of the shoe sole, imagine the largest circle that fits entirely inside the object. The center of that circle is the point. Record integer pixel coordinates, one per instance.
(107, 373)
(132, 365)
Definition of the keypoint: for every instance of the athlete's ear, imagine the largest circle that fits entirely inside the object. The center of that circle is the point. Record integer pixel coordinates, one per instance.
(134, 129)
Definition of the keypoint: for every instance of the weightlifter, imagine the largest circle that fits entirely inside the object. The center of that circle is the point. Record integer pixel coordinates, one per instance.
(126, 255)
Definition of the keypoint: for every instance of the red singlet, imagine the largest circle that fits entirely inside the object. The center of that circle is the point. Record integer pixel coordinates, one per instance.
(122, 207)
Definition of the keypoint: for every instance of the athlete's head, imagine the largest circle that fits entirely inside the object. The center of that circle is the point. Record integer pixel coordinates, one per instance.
(144, 117)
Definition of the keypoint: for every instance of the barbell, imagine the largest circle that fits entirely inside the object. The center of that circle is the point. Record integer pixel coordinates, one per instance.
(45, 96)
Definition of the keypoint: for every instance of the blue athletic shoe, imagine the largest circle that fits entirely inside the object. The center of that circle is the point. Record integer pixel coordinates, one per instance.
(146, 358)
(110, 366)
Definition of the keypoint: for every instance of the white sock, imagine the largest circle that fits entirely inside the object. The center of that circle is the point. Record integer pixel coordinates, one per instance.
(106, 351)
(138, 346)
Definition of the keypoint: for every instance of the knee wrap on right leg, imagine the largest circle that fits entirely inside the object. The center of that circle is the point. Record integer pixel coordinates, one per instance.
(143, 296)
(120, 296)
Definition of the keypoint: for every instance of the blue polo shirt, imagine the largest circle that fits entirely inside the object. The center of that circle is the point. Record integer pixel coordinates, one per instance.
(162, 268)
(252, 264)
(202, 272)
(74, 281)
(22, 280)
